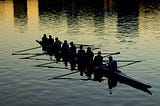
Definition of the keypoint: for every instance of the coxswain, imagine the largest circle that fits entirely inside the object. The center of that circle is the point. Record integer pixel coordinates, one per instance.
(81, 60)
(89, 62)
(72, 56)
(98, 61)
(112, 67)
(65, 52)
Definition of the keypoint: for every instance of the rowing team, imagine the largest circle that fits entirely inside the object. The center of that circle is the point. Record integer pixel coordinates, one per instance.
(85, 60)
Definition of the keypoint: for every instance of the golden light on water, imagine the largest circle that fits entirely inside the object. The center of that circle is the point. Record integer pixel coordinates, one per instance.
(32, 13)
(135, 35)
(71, 26)
(6, 15)
(149, 22)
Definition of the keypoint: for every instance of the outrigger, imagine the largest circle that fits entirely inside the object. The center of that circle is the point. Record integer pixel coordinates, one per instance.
(117, 75)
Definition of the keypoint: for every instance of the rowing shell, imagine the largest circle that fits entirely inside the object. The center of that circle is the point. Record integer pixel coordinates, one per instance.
(125, 79)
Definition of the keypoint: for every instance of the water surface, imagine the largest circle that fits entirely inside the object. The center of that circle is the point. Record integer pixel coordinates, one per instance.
(133, 28)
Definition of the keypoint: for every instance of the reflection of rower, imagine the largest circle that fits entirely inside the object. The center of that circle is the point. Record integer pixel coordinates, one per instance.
(112, 67)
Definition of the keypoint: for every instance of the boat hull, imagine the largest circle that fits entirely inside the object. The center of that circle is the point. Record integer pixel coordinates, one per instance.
(125, 79)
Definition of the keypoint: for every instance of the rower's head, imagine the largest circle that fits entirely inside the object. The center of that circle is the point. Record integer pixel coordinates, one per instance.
(81, 46)
(65, 41)
(50, 36)
(71, 43)
(89, 48)
(44, 35)
(99, 52)
(110, 58)
(56, 38)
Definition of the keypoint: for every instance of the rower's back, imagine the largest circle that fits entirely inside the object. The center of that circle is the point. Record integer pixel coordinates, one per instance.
(112, 65)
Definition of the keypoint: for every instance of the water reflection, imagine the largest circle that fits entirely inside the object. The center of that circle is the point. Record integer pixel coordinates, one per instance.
(127, 13)
(108, 6)
(20, 14)
(51, 6)
(50, 14)
(99, 17)
(82, 19)
(78, 16)
(72, 10)
(151, 6)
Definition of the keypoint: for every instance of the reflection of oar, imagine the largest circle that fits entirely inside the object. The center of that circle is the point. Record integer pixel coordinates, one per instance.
(45, 64)
(54, 67)
(29, 49)
(63, 75)
(32, 56)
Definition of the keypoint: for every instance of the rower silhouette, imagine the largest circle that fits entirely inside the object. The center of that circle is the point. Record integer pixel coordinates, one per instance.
(81, 60)
(65, 52)
(89, 62)
(98, 61)
(112, 67)
(50, 47)
(72, 56)
(44, 42)
(57, 49)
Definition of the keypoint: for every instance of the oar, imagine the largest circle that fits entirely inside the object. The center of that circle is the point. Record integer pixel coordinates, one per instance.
(27, 53)
(128, 64)
(83, 44)
(77, 71)
(112, 54)
(83, 79)
(107, 53)
(96, 48)
(28, 49)
(133, 62)
(123, 60)
(39, 42)
(71, 73)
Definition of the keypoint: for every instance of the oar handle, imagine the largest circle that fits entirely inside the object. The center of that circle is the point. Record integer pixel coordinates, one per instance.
(112, 54)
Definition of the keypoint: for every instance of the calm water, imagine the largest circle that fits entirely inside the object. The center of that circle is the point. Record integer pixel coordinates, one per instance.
(133, 28)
